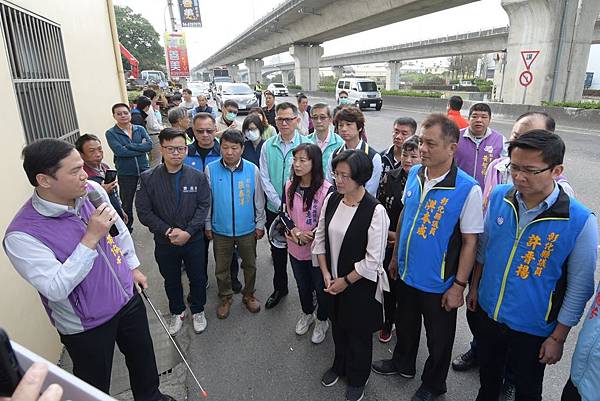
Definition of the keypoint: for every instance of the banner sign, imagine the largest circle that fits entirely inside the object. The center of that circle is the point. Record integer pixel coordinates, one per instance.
(177, 58)
(189, 11)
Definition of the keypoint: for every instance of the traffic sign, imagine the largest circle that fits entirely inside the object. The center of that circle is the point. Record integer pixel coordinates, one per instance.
(529, 57)
(526, 78)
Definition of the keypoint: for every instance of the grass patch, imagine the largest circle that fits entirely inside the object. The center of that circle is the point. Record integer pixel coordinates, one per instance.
(578, 105)
(397, 92)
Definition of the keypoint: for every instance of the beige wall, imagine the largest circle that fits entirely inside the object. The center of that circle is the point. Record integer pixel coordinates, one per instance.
(95, 84)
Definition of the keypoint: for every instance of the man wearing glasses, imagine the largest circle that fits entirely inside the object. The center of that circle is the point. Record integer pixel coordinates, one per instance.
(204, 150)
(537, 256)
(324, 136)
(173, 201)
(275, 166)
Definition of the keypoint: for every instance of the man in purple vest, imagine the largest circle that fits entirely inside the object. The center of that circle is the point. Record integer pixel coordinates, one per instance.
(478, 145)
(60, 243)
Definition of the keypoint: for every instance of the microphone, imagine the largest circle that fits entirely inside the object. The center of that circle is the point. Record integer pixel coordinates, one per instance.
(97, 199)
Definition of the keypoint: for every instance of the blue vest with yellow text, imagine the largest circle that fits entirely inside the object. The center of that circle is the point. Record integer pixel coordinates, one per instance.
(430, 241)
(525, 271)
(233, 212)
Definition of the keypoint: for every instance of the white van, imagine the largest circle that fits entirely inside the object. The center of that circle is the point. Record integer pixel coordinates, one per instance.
(362, 92)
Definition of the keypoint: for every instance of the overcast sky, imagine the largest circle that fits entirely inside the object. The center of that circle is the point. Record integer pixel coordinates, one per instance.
(225, 20)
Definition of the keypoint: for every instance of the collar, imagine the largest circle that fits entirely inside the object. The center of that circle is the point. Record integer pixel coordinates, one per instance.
(454, 113)
(543, 205)
(555, 205)
(359, 146)
(447, 180)
(238, 167)
(51, 209)
(193, 148)
(279, 139)
(467, 134)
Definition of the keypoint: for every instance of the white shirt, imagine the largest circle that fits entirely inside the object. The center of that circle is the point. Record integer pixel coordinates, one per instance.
(373, 184)
(37, 263)
(371, 267)
(471, 215)
(304, 123)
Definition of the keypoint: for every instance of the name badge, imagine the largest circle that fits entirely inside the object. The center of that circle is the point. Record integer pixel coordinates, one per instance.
(408, 194)
(190, 190)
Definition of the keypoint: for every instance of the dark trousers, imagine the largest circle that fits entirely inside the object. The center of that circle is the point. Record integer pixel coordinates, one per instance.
(280, 278)
(389, 298)
(440, 327)
(309, 279)
(258, 95)
(353, 354)
(234, 267)
(92, 351)
(127, 187)
(570, 392)
(499, 347)
(169, 258)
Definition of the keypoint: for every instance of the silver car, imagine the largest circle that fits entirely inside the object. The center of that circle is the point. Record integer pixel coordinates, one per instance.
(241, 93)
(199, 88)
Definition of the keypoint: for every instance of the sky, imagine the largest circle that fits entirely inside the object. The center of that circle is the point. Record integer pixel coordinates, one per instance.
(225, 20)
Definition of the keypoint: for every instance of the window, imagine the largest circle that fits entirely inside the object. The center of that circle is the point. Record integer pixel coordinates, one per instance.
(347, 85)
(341, 84)
(39, 73)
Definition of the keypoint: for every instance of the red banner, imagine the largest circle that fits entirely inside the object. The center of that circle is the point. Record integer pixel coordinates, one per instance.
(177, 58)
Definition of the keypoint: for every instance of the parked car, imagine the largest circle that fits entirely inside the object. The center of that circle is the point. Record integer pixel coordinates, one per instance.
(278, 89)
(362, 92)
(241, 93)
(200, 88)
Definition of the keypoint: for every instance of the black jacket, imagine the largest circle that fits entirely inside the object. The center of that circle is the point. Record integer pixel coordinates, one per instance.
(156, 202)
(138, 117)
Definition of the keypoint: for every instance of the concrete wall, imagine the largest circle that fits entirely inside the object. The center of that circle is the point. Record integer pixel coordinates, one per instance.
(95, 85)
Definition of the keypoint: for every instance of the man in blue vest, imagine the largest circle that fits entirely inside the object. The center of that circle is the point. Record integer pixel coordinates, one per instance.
(275, 166)
(437, 240)
(537, 256)
(237, 218)
(204, 150)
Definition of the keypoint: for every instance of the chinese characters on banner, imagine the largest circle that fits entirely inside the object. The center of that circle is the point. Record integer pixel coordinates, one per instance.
(177, 59)
(189, 11)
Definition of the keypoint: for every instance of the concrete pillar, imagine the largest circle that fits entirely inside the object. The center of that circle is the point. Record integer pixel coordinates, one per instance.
(307, 60)
(285, 78)
(254, 70)
(562, 35)
(338, 71)
(392, 77)
(233, 72)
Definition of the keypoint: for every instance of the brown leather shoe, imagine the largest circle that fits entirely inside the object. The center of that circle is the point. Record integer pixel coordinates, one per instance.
(251, 303)
(224, 308)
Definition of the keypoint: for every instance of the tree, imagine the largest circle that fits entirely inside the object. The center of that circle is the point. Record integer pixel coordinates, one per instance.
(140, 38)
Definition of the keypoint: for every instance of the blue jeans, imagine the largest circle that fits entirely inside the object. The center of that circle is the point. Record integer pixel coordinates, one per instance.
(169, 258)
(309, 280)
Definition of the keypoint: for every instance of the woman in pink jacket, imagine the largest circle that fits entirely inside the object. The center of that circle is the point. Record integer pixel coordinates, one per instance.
(304, 195)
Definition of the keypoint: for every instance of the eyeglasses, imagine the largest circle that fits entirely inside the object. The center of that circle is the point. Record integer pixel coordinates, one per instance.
(513, 168)
(320, 118)
(286, 120)
(340, 177)
(175, 149)
(122, 113)
(204, 131)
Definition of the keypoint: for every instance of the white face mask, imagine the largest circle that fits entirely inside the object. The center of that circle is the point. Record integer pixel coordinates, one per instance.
(252, 134)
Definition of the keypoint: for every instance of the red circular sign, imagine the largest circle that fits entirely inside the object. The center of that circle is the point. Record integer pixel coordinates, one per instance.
(526, 78)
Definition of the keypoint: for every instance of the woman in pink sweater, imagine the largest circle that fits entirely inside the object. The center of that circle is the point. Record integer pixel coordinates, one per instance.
(304, 195)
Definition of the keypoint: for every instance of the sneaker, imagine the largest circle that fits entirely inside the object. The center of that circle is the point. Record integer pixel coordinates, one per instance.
(387, 367)
(224, 308)
(319, 331)
(304, 323)
(252, 304)
(355, 393)
(176, 323)
(199, 322)
(508, 391)
(329, 378)
(465, 361)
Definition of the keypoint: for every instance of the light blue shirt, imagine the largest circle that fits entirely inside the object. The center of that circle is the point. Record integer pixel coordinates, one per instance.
(581, 262)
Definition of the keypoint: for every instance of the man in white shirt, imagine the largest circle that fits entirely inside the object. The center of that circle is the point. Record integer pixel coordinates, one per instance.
(304, 125)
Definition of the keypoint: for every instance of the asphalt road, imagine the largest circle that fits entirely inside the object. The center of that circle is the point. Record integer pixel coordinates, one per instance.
(259, 357)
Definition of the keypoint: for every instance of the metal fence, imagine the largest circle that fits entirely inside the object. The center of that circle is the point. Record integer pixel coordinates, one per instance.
(40, 76)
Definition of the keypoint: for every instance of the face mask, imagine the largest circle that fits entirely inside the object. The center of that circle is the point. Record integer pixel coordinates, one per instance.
(252, 134)
(343, 100)
(230, 116)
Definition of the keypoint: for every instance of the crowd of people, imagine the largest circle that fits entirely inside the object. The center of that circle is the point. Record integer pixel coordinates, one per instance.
(378, 242)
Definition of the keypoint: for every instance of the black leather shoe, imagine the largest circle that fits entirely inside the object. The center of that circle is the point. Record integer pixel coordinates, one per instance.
(274, 299)
(236, 286)
(465, 361)
(423, 394)
(166, 397)
(387, 367)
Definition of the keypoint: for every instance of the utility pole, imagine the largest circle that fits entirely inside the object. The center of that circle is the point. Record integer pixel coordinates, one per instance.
(171, 16)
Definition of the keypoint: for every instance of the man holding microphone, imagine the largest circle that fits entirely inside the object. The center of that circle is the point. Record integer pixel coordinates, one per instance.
(85, 276)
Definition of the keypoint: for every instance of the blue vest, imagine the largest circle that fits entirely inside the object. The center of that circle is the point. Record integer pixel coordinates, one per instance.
(232, 198)
(525, 272)
(194, 160)
(430, 239)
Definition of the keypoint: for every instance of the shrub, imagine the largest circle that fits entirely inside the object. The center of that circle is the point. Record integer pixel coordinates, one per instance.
(396, 92)
(578, 105)
(294, 86)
